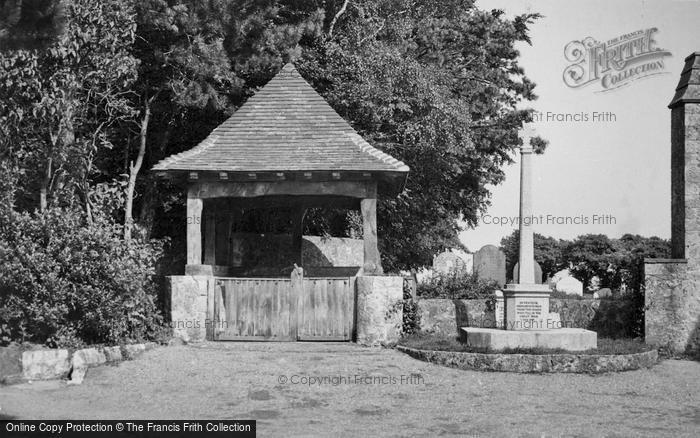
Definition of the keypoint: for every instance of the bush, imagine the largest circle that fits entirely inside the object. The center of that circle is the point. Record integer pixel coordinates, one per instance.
(457, 287)
(411, 318)
(65, 282)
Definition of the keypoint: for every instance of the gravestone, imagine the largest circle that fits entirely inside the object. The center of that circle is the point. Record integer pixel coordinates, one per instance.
(603, 293)
(490, 264)
(554, 279)
(451, 262)
(538, 273)
(570, 285)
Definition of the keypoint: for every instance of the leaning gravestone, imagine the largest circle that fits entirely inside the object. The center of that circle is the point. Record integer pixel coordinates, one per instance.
(490, 264)
(449, 262)
(603, 293)
(538, 273)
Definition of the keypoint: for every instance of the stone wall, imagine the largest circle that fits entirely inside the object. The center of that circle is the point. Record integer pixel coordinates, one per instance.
(609, 318)
(672, 303)
(444, 316)
(263, 253)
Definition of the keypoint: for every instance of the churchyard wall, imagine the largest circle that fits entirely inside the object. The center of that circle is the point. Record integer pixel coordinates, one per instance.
(610, 318)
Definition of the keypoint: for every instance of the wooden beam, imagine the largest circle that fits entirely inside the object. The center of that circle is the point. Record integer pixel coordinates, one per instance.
(287, 201)
(372, 260)
(353, 189)
(194, 227)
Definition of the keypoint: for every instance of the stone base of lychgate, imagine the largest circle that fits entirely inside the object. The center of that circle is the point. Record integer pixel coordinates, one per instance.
(186, 300)
(672, 305)
(379, 310)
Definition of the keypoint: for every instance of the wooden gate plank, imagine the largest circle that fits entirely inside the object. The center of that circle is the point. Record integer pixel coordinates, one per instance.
(253, 309)
(327, 309)
(284, 309)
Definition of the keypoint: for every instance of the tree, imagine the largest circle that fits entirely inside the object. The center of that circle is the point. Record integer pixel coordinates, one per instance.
(64, 101)
(548, 252)
(199, 61)
(589, 256)
(436, 84)
(616, 262)
(30, 24)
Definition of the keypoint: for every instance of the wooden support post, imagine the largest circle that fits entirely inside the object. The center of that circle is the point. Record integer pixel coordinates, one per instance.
(372, 263)
(223, 231)
(296, 301)
(233, 218)
(298, 233)
(210, 234)
(194, 228)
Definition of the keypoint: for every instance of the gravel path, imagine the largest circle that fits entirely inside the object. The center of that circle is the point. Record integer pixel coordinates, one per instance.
(363, 394)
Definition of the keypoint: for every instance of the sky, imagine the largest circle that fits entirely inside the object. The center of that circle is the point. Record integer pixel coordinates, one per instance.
(611, 175)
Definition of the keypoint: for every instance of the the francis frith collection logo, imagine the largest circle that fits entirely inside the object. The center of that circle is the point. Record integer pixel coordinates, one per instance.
(615, 62)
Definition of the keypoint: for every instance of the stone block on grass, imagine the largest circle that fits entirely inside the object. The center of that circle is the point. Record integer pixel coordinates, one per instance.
(45, 364)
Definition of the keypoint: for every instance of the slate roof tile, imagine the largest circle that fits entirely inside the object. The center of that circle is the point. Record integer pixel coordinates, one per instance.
(286, 126)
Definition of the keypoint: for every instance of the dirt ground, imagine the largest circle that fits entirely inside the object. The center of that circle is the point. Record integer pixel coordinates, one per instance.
(335, 389)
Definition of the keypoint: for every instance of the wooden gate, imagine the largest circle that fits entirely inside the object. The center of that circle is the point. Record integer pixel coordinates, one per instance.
(281, 309)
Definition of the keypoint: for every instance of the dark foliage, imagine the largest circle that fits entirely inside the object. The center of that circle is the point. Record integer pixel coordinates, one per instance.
(457, 287)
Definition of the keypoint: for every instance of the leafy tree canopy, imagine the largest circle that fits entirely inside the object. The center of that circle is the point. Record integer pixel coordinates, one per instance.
(434, 83)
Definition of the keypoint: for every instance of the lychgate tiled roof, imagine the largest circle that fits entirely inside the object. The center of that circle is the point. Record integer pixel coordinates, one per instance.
(286, 126)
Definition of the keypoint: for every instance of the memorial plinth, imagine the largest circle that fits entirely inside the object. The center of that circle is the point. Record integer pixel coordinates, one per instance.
(526, 307)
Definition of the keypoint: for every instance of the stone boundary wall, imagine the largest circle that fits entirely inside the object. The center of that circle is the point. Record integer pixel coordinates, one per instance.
(536, 363)
(672, 316)
(19, 364)
(609, 318)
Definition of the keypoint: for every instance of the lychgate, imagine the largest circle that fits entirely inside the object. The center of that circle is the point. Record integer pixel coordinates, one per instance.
(284, 148)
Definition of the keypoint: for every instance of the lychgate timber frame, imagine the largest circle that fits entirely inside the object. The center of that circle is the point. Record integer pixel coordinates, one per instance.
(284, 148)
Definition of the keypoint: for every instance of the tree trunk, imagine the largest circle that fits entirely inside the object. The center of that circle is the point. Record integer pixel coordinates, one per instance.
(147, 214)
(44, 189)
(134, 168)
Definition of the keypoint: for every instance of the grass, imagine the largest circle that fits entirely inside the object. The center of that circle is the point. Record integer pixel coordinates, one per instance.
(565, 296)
(606, 346)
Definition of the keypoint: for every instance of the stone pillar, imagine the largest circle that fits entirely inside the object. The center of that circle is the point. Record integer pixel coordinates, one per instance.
(685, 162)
(187, 304)
(672, 287)
(527, 242)
(372, 260)
(379, 310)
